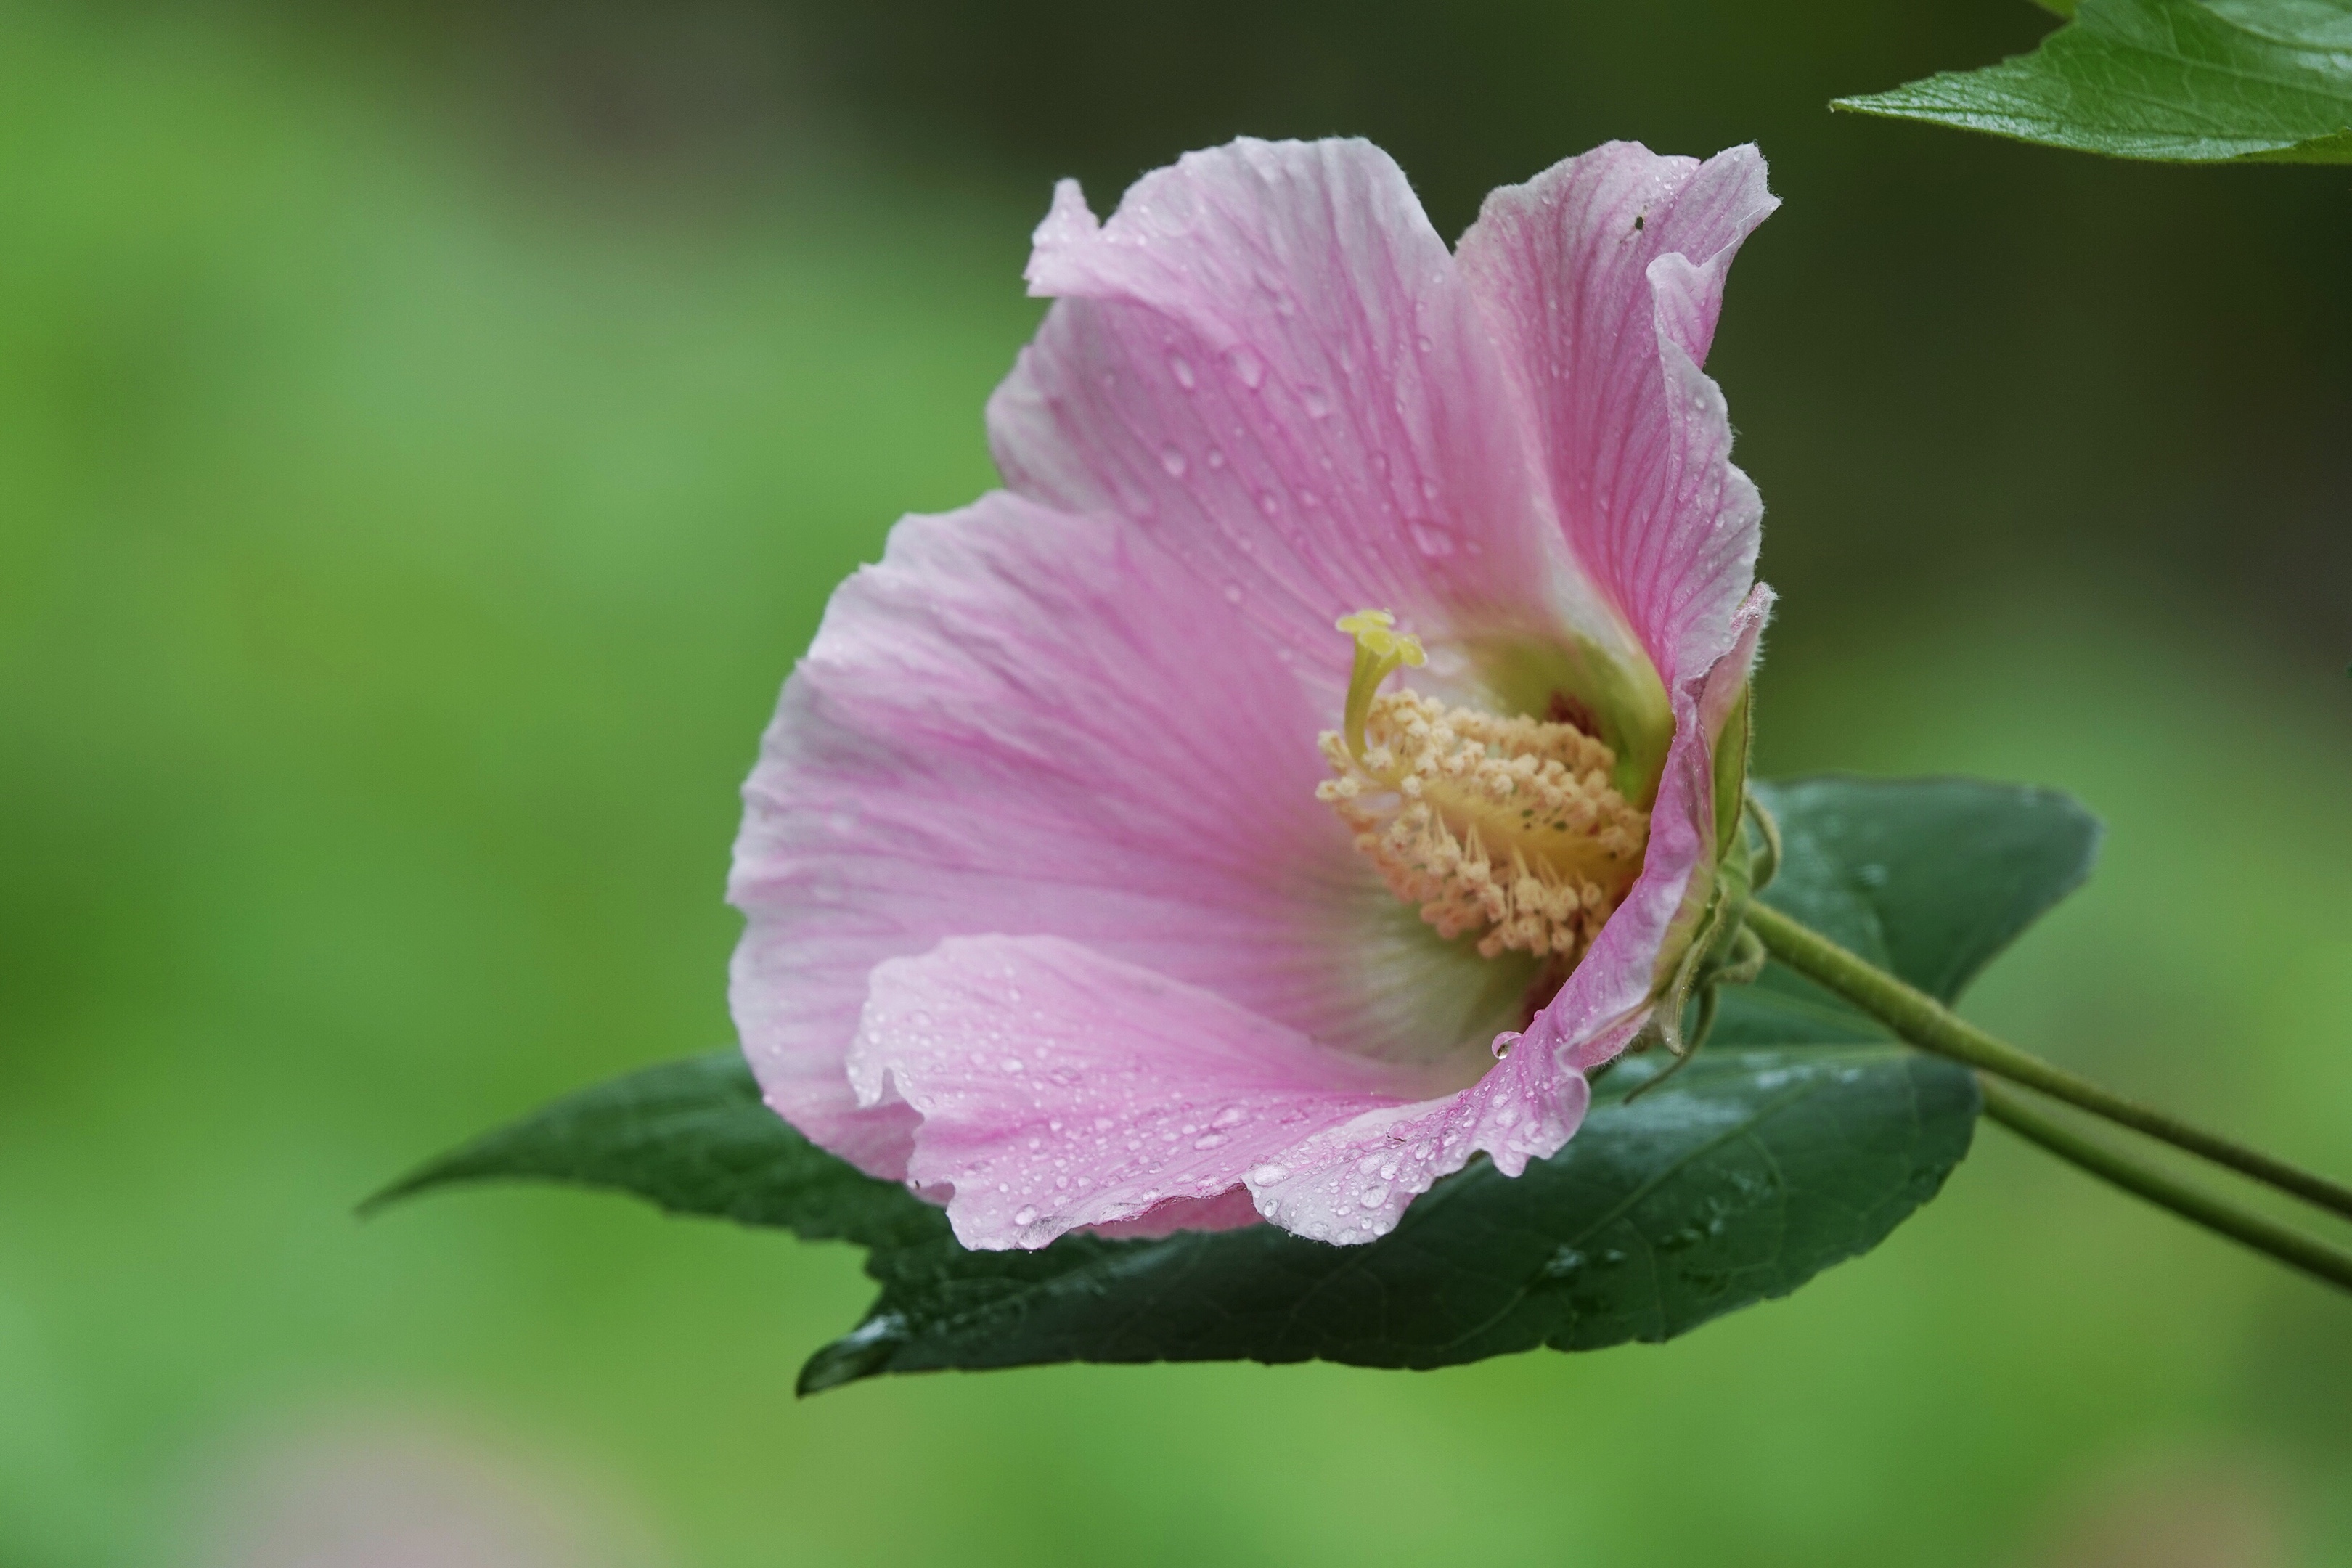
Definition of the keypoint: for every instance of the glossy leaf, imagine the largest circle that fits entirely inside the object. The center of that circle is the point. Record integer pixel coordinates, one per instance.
(1738, 1180)
(692, 1137)
(1928, 878)
(1800, 1138)
(2176, 80)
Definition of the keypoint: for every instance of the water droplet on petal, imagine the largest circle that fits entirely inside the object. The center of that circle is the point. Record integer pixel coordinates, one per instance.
(1431, 540)
(1232, 593)
(1173, 461)
(1208, 1141)
(1025, 1215)
(1182, 369)
(1266, 1176)
(1248, 366)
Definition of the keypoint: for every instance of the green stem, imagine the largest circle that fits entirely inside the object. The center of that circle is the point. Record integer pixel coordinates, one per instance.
(1929, 1024)
(2021, 1116)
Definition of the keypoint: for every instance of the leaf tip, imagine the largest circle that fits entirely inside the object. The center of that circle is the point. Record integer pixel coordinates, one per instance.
(432, 1173)
(866, 1351)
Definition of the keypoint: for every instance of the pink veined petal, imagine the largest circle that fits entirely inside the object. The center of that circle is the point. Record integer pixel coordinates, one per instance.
(1084, 713)
(1352, 1184)
(1603, 277)
(1721, 686)
(1029, 723)
(1269, 357)
(1059, 1089)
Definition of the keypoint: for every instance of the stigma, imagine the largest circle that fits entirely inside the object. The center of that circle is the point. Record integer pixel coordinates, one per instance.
(1502, 825)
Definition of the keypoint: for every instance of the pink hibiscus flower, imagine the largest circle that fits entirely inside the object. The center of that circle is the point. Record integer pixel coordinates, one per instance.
(1094, 879)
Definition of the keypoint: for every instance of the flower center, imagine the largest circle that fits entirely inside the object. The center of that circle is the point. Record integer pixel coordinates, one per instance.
(1505, 825)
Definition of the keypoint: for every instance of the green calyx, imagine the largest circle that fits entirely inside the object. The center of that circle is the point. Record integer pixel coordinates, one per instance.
(1722, 950)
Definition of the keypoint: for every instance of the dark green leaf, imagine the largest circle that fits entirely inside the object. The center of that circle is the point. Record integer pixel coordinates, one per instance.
(1738, 1181)
(1800, 1138)
(1928, 878)
(694, 1138)
(2179, 81)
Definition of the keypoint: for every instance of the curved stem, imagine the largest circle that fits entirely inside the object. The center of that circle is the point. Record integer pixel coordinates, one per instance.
(2019, 1113)
(1929, 1024)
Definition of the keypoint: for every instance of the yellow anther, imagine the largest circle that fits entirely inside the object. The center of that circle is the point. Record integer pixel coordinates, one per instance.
(1504, 827)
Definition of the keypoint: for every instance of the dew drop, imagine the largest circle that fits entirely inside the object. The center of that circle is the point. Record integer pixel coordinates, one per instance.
(1232, 593)
(1173, 461)
(1248, 366)
(1431, 540)
(1266, 1176)
(1216, 458)
(1025, 1215)
(1209, 1140)
(1182, 369)
(1319, 406)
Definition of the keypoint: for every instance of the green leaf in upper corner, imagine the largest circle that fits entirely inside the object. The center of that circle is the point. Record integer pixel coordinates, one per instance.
(2174, 80)
(693, 1137)
(1928, 878)
(1743, 1177)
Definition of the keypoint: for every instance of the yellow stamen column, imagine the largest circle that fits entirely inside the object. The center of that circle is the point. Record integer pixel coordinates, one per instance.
(1507, 826)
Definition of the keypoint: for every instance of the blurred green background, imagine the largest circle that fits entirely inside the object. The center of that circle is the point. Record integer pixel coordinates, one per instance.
(427, 435)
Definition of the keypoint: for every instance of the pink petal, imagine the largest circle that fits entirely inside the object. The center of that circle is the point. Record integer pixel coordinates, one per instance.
(1028, 723)
(1268, 356)
(1603, 277)
(1721, 686)
(1060, 1089)
(1350, 1184)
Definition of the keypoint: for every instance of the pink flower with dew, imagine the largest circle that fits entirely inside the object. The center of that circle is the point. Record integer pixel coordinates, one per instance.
(1095, 879)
